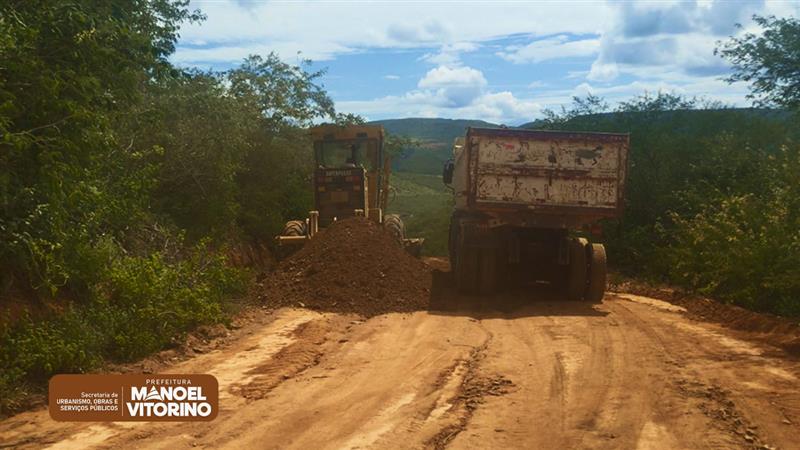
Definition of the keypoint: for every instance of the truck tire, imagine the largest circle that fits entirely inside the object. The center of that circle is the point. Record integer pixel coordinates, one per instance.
(466, 269)
(596, 287)
(487, 271)
(394, 225)
(294, 228)
(577, 277)
(452, 242)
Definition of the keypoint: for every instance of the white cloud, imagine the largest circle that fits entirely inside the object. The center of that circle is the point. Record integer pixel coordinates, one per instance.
(505, 107)
(551, 48)
(432, 30)
(711, 88)
(454, 86)
(324, 29)
(444, 76)
(665, 45)
(236, 53)
(498, 107)
(451, 92)
(668, 37)
(602, 71)
(450, 54)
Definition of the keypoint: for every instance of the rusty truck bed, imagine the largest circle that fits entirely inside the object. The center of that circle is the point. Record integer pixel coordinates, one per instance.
(547, 172)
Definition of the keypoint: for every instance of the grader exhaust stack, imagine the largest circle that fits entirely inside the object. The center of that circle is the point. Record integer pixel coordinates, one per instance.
(351, 178)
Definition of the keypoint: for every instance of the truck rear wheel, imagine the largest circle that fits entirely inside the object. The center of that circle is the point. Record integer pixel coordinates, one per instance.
(487, 271)
(596, 287)
(452, 243)
(576, 280)
(394, 225)
(466, 269)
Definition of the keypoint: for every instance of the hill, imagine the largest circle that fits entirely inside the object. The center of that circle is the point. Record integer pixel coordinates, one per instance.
(436, 137)
(431, 130)
(724, 116)
(418, 193)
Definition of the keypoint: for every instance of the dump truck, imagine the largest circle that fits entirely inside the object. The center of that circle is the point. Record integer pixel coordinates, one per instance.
(351, 178)
(524, 202)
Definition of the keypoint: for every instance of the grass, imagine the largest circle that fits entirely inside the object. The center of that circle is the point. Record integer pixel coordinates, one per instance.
(425, 205)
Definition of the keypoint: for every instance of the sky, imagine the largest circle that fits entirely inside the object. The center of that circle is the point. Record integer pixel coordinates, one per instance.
(501, 61)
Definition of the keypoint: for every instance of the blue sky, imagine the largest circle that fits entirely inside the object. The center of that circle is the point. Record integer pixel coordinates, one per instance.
(502, 61)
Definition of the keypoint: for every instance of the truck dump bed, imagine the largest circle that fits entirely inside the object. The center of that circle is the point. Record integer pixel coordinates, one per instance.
(548, 172)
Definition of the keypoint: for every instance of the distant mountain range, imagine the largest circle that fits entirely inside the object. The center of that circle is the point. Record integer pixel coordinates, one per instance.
(436, 136)
(431, 130)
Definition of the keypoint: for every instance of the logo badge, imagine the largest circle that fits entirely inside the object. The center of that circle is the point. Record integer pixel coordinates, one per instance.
(133, 398)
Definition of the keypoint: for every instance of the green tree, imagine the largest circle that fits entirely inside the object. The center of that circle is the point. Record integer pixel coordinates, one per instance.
(662, 101)
(581, 106)
(201, 138)
(274, 183)
(769, 62)
(67, 183)
(285, 94)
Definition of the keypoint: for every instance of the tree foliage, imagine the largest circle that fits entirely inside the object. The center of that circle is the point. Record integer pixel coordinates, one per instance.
(769, 61)
(68, 69)
(745, 247)
(122, 176)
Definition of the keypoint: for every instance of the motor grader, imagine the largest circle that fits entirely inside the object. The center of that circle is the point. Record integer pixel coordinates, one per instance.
(351, 178)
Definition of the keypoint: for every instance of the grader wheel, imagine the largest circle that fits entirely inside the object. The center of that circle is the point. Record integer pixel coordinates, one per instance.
(394, 224)
(596, 286)
(576, 280)
(294, 228)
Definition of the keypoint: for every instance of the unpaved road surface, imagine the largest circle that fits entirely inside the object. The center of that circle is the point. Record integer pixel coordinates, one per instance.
(520, 370)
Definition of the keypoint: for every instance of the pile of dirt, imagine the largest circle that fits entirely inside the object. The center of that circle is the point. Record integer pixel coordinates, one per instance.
(353, 266)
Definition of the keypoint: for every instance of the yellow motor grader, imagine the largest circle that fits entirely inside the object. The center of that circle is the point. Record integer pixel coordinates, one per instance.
(351, 178)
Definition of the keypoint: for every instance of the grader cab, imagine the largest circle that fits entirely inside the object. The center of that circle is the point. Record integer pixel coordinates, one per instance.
(351, 178)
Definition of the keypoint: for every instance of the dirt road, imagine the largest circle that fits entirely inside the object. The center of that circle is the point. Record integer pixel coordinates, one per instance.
(508, 372)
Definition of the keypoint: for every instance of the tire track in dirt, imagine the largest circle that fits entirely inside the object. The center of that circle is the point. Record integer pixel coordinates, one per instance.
(539, 374)
(470, 394)
(698, 386)
(233, 367)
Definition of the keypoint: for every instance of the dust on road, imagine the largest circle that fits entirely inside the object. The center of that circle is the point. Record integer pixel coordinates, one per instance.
(520, 370)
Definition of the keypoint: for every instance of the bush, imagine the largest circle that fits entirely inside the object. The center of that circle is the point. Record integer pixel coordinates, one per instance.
(745, 248)
(146, 303)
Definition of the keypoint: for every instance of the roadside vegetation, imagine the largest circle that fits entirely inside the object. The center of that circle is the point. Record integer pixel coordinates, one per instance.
(125, 181)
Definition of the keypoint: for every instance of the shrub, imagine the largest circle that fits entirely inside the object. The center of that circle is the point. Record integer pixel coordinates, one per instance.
(745, 248)
(146, 303)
